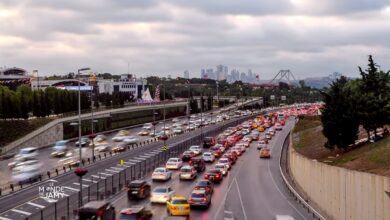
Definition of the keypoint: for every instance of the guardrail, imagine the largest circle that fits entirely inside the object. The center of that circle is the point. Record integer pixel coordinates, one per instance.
(298, 198)
(105, 187)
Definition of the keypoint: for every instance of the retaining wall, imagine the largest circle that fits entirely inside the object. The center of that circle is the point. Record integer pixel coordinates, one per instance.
(341, 193)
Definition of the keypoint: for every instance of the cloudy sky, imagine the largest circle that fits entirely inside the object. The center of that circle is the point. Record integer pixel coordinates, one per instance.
(309, 37)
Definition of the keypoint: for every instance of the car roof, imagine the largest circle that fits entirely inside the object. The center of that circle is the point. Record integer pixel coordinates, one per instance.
(187, 167)
(137, 182)
(95, 204)
(199, 191)
(29, 148)
(131, 210)
(179, 198)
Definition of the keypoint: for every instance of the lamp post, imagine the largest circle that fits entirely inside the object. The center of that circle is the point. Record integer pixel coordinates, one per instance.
(189, 95)
(201, 118)
(217, 92)
(164, 114)
(154, 122)
(80, 171)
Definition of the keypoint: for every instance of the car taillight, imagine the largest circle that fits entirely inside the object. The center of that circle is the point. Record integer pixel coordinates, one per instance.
(197, 187)
(217, 175)
(165, 196)
(190, 199)
(206, 176)
(207, 188)
(204, 199)
(99, 213)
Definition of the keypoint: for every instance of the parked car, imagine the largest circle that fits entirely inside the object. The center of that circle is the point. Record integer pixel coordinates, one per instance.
(187, 173)
(102, 210)
(174, 163)
(208, 142)
(138, 189)
(161, 173)
(136, 213)
(162, 194)
(198, 164)
(208, 157)
(200, 198)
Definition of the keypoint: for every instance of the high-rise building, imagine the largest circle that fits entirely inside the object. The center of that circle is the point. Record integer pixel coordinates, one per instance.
(221, 72)
(243, 77)
(186, 74)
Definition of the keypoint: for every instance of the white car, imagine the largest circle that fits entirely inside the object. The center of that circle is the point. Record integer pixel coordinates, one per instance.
(261, 144)
(196, 149)
(222, 167)
(188, 173)
(28, 152)
(177, 124)
(161, 173)
(161, 194)
(278, 127)
(226, 162)
(174, 163)
(131, 140)
(191, 127)
(102, 147)
(178, 131)
(122, 135)
(208, 157)
(60, 149)
(26, 171)
(147, 126)
(237, 149)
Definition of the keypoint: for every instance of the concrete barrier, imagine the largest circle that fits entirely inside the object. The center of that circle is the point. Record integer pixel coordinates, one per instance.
(339, 192)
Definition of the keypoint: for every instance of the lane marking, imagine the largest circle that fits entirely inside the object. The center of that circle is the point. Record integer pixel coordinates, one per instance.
(21, 212)
(88, 180)
(4, 218)
(129, 163)
(78, 184)
(117, 168)
(71, 188)
(106, 174)
(36, 205)
(239, 196)
(95, 176)
(277, 187)
(112, 171)
(135, 161)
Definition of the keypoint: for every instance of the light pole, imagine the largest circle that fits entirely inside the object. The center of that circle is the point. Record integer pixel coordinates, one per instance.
(80, 172)
(189, 95)
(201, 118)
(164, 113)
(217, 92)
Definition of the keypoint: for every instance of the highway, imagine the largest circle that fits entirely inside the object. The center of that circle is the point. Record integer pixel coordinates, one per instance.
(253, 189)
(26, 202)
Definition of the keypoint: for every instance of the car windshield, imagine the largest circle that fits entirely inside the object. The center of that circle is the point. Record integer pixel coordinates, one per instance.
(202, 183)
(160, 190)
(179, 201)
(219, 166)
(173, 160)
(132, 216)
(186, 170)
(160, 170)
(197, 195)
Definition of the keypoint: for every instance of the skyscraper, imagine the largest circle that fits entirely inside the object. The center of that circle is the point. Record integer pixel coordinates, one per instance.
(186, 74)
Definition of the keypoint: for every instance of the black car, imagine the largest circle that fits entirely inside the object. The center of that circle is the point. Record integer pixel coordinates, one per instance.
(138, 189)
(206, 185)
(198, 163)
(187, 155)
(136, 213)
(208, 142)
(96, 210)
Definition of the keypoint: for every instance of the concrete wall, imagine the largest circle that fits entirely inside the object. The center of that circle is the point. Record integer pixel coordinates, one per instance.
(341, 193)
(53, 131)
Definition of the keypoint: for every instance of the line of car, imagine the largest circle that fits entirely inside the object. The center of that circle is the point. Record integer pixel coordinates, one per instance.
(225, 149)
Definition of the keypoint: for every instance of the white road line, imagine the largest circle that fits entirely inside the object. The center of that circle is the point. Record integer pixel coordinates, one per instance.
(228, 218)
(117, 168)
(228, 212)
(98, 177)
(88, 180)
(106, 174)
(36, 205)
(112, 171)
(51, 180)
(129, 163)
(239, 196)
(21, 212)
(139, 159)
(277, 187)
(126, 166)
(135, 161)
(71, 188)
(151, 154)
(78, 184)
(4, 218)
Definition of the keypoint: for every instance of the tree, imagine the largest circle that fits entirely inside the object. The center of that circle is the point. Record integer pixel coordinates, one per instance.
(338, 117)
(373, 98)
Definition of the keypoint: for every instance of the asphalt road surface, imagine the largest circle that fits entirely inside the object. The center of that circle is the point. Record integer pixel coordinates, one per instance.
(253, 189)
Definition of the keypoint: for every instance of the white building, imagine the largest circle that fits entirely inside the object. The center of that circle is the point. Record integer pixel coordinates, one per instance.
(127, 83)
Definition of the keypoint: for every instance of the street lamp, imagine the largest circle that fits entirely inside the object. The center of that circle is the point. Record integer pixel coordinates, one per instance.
(154, 122)
(80, 172)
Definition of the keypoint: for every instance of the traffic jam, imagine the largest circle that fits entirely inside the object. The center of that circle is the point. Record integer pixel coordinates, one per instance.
(205, 166)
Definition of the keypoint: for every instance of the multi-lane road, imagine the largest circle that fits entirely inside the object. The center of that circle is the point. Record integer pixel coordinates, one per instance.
(253, 189)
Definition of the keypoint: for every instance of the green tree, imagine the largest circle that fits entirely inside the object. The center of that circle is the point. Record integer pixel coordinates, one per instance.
(339, 120)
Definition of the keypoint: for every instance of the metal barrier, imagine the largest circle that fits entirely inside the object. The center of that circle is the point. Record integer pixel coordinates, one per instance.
(107, 186)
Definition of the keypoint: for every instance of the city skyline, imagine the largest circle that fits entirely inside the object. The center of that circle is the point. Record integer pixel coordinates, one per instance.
(168, 37)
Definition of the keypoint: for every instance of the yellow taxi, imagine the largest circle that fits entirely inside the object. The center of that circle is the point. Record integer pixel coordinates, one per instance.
(178, 205)
(260, 129)
(254, 125)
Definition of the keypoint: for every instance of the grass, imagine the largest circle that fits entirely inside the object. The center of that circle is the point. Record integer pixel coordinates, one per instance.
(307, 122)
(12, 130)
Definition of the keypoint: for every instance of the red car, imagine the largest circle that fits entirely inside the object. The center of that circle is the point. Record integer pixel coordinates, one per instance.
(214, 175)
(232, 156)
(216, 151)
